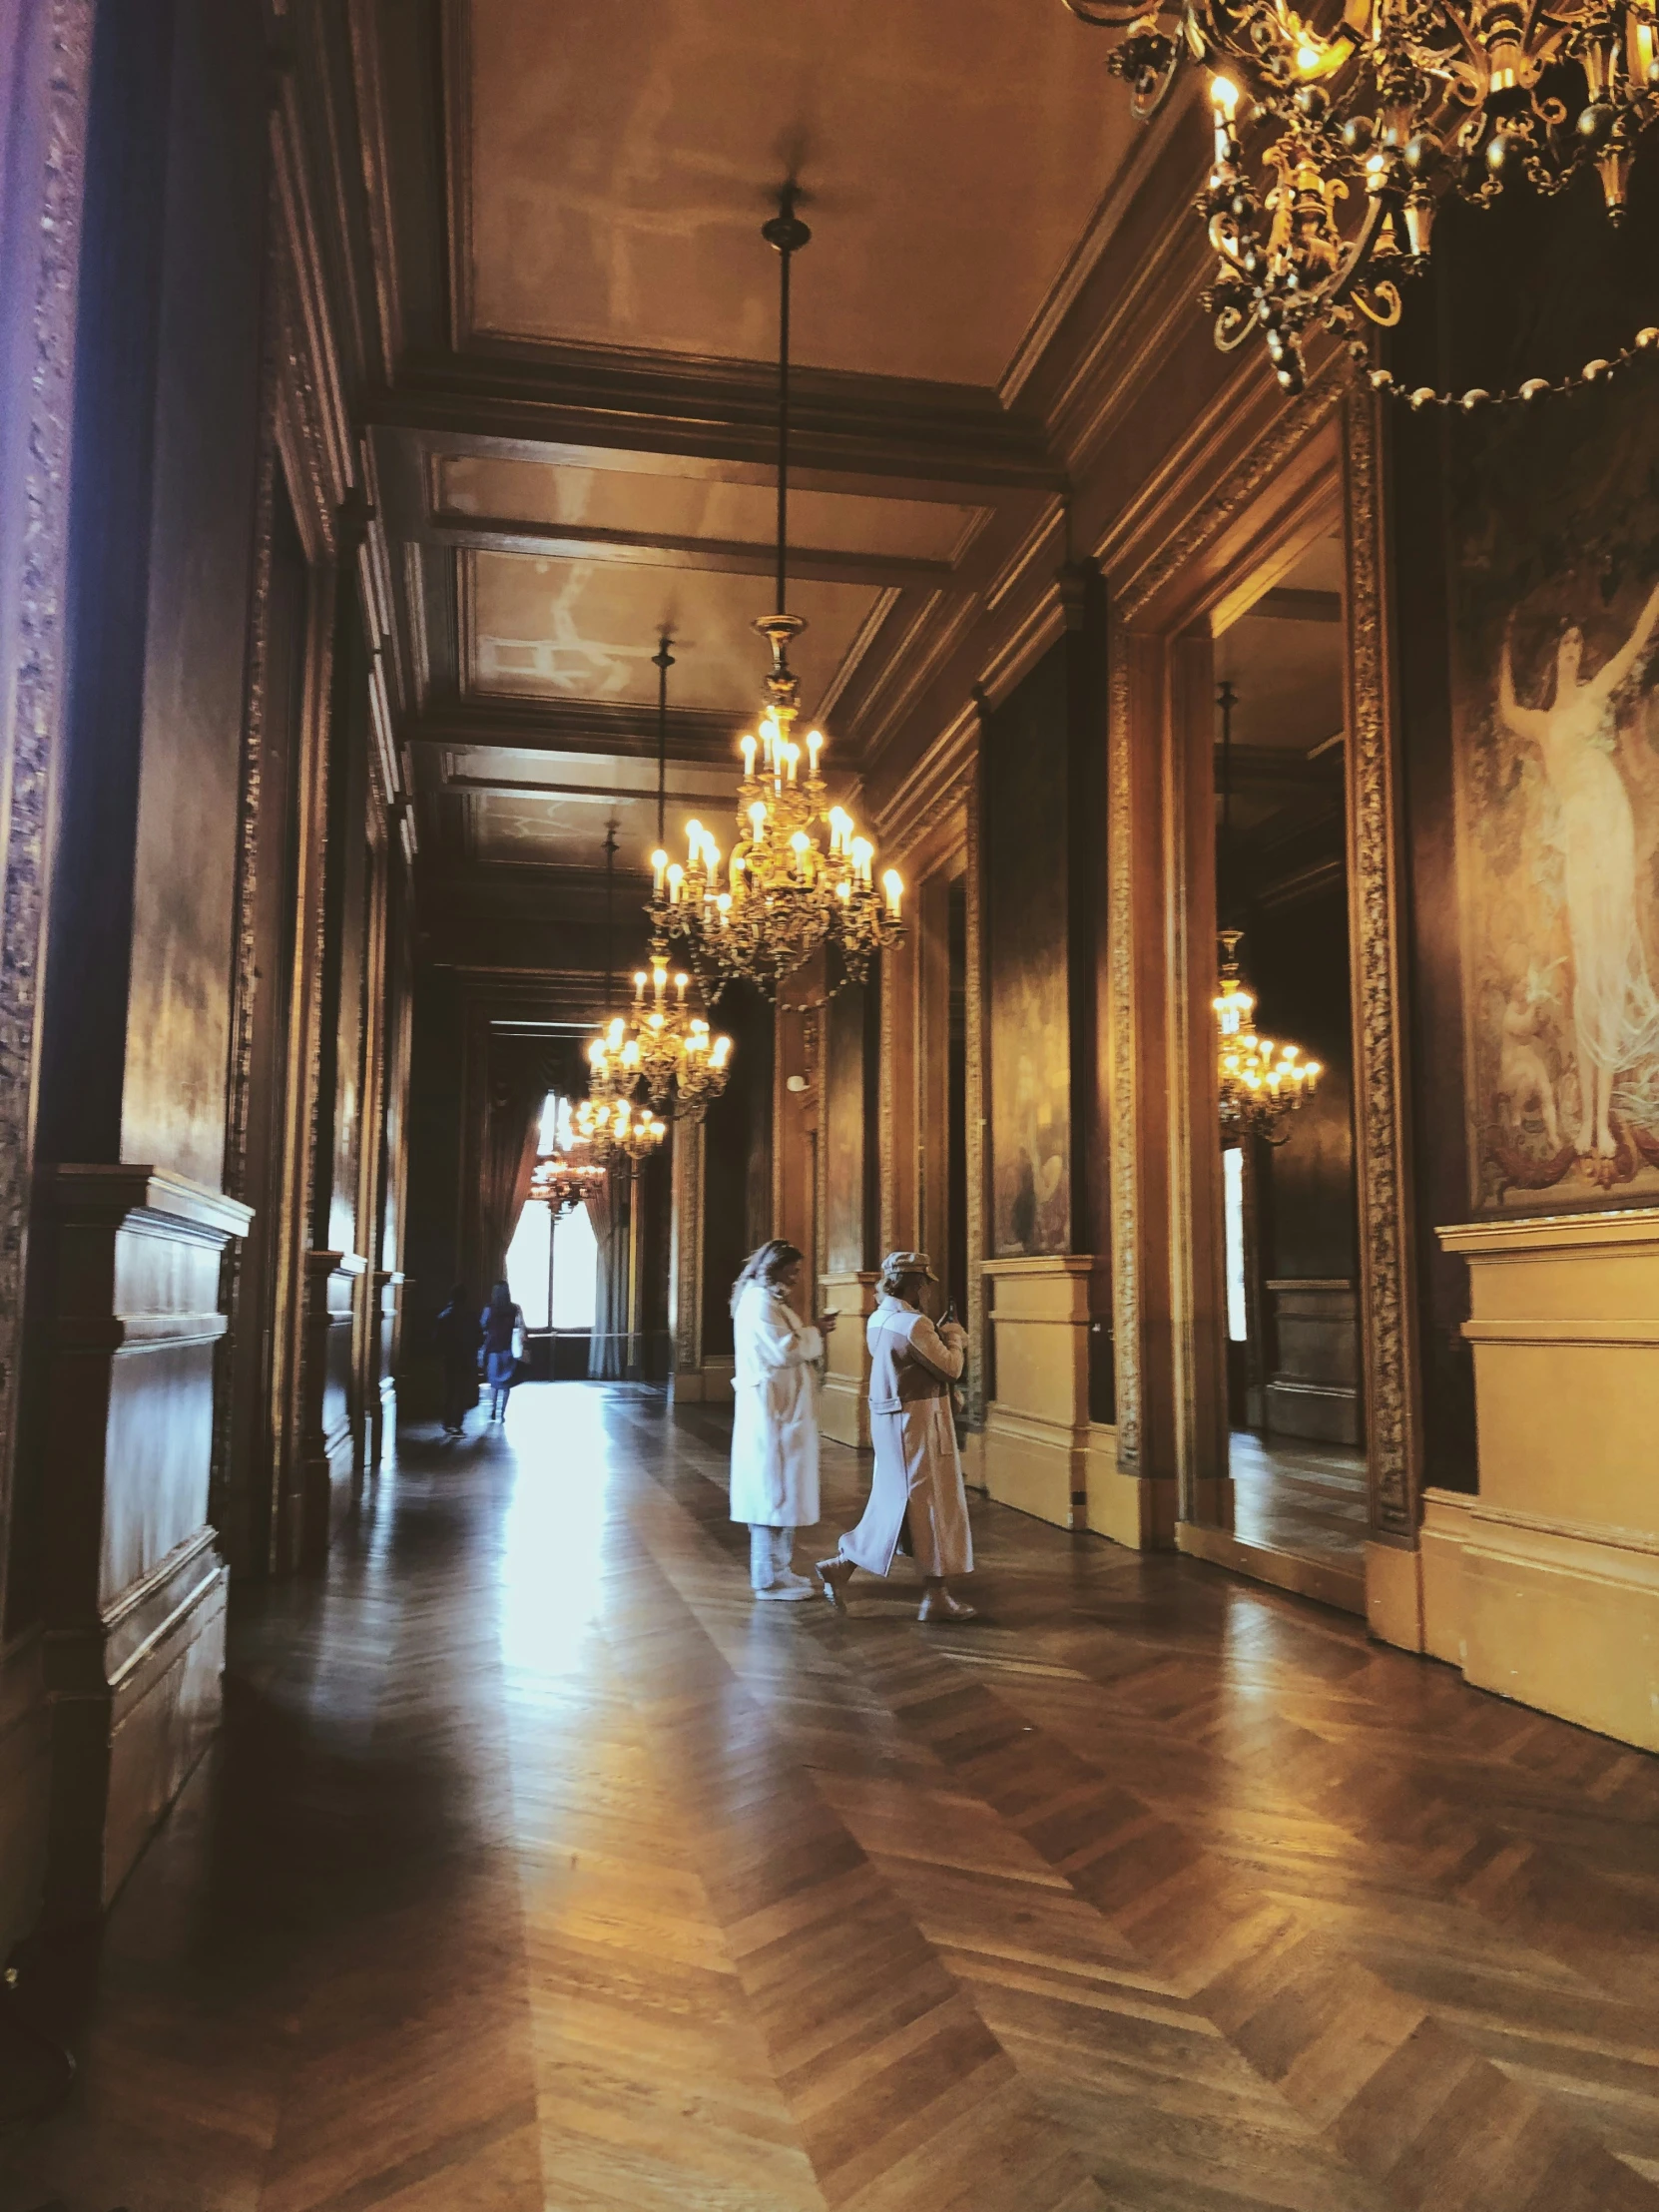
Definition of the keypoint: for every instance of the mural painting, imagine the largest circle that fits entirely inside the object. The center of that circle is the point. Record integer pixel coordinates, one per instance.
(1030, 1059)
(1556, 644)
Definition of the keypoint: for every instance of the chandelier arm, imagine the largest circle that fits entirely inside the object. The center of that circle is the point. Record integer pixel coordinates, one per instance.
(1381, 206)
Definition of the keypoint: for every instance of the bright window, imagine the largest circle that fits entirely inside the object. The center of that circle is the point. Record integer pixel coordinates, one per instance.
(574, 1254)
(1232, 1169)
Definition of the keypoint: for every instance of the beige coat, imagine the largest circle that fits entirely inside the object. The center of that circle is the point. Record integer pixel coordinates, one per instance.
(774, 1431)
(918, 1476)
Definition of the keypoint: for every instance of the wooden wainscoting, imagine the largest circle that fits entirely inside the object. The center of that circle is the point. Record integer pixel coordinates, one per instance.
(134, 1586)
(1314, 1387)
(328, 1418)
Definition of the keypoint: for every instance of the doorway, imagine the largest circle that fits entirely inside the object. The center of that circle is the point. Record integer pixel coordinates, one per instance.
(1292, 1369)
(553, 1268)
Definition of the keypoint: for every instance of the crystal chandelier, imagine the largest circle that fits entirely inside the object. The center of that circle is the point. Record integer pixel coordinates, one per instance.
(1359, 132)
(1260, 1083)
(682, 1066)
(561, 1183)
(799, 878)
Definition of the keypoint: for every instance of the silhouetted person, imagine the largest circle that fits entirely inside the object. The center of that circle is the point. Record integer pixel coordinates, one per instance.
(503, 1325)
(459, 1338)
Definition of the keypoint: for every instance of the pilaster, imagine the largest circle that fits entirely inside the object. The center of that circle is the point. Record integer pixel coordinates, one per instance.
(327, 1429)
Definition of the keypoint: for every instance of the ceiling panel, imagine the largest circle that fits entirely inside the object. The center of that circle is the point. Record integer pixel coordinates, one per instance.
(623, 158)
(559, 833)
(566, 629)
(695, 507)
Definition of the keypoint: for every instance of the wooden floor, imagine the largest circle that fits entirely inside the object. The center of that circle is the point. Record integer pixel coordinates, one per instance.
(1307, 1499)
(540, 1867)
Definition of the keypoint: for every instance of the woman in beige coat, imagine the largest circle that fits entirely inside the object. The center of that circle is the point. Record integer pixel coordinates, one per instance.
(916, 1495)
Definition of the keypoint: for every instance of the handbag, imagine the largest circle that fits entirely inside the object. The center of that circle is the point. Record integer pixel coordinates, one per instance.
(521, 1344)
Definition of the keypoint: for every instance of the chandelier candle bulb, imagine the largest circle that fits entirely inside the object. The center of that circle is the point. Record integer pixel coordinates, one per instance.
(892, 884)
(658, 867)
(747, 758)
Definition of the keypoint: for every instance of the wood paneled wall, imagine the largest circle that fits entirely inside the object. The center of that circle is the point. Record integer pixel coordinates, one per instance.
(210, 1030)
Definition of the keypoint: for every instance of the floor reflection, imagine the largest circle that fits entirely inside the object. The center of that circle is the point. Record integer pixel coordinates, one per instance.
(553, 1533)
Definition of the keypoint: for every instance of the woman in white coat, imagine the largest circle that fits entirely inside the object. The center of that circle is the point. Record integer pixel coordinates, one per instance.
(775, 1433)
(916, 1496)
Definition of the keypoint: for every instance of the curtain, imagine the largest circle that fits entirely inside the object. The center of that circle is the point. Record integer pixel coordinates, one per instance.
(608, 1353)
(519, 1078)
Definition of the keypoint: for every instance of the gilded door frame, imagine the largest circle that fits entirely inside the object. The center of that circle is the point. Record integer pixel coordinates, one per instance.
(1324, 453)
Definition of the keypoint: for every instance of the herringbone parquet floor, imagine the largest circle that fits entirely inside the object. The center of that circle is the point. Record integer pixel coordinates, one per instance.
(539, 1867)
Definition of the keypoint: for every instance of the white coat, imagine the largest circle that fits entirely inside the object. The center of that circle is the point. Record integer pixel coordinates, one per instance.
(918, 1474)
(775, 1433)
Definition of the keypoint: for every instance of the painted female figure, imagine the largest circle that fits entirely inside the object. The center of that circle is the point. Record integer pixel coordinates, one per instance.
(1615, 1009)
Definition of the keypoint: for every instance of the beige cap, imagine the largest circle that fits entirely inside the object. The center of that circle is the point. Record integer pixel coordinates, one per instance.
(900, 1264)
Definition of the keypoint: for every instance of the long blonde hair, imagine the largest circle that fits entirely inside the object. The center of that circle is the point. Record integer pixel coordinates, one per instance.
(775, 1258)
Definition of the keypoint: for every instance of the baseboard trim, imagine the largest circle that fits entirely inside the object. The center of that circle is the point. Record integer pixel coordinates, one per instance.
(1341, 1587)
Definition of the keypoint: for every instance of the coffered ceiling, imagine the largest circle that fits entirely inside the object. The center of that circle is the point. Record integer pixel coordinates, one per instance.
(574, 446)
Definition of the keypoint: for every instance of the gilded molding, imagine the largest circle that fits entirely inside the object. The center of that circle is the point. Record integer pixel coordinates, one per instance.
(1374, 902)
(40, 422)
(974, 1054)
(245, 954)
(690, 1142)
(1266, 461)
(1125, 1180)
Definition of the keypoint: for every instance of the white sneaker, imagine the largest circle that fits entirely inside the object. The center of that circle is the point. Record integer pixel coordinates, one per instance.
(792, 1586)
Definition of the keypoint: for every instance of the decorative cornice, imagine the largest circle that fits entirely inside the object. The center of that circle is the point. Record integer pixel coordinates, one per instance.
(1265, 462)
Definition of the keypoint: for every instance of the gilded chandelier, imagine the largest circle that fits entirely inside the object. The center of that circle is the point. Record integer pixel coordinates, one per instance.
(799, 878)
(561, 1183)
(1362, 126)
(617, 1132)
(1262, 1083)
(669, 1047)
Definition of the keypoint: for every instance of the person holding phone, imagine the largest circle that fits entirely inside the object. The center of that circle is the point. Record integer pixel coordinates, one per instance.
(774, 1431)
(918, 1501)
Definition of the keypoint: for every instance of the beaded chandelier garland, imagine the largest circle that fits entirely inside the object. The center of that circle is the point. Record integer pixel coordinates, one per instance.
(1260, 1083)
(787, 893)
(1365, 124)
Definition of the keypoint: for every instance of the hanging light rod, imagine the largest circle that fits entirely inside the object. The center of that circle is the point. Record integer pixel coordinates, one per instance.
(789, 894)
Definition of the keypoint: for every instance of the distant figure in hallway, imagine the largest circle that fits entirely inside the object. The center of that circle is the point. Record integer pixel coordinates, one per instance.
(503, 1325)
(459, 1338)
(775, 1433)
(916, 1499)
